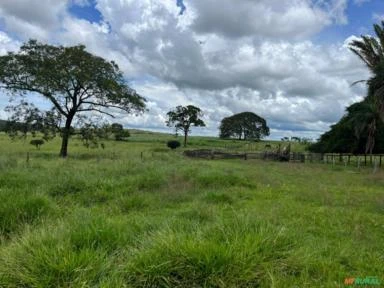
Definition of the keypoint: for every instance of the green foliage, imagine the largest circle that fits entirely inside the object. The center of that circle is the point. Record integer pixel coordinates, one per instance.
(353, 133)
(92, 134)
(369, 48)
(183, 117)
(37, 143)
(26, 118)
(173, 144)
(246, 125)
(361, 130)
(119, 132)
(370, 112)
(3, 125)
(81, 82)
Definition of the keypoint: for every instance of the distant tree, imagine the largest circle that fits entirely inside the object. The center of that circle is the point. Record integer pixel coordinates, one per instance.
(37, 143)
(116, 127)
(119, 132)
(306, 141)
(72, 79)
(173, 144)
(92, 134)
(183, 117)
(3, 125)
(246, 125)
(26, 118)
(285, 139)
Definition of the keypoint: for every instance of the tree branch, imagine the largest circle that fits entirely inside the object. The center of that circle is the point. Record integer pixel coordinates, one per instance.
(97, 110)
(30, 89)
(103, 105)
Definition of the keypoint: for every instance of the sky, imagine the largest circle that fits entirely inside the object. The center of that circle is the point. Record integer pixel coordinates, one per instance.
(285, 60)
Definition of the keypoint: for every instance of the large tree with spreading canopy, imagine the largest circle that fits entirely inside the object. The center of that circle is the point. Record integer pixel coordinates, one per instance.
(183, 118)
(73, 80)
(245, 125)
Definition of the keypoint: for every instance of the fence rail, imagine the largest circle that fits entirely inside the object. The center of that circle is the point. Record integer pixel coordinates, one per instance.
(376, 160)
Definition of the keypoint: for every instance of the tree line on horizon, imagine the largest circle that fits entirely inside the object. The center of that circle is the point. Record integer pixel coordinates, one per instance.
(75, 81)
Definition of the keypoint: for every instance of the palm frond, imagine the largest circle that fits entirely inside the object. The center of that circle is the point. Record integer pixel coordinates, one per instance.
(359, 81)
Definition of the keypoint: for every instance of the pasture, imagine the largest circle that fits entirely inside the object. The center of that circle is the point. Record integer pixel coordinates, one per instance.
(109, 218)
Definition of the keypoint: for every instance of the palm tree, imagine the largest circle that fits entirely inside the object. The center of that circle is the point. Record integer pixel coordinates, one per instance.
(371, 52)
(376, 88)
(370, 49)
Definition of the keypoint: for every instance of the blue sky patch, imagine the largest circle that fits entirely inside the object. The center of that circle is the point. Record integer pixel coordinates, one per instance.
(181, 5)
(87, 12)
(360, 19)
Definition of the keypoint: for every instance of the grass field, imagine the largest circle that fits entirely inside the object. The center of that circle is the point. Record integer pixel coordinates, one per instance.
(107, 218)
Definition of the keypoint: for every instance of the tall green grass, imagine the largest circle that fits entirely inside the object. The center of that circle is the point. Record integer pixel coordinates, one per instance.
(110, 218)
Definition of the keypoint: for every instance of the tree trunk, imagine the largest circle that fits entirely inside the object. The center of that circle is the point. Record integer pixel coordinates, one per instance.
(65, 137)
(371, 137)
(185, 138)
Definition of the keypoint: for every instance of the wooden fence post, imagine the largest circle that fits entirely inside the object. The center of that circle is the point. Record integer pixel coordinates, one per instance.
(375, 167)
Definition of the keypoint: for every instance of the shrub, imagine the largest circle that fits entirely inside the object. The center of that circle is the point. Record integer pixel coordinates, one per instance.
(122, 135)
(37, 143)
(173, 144)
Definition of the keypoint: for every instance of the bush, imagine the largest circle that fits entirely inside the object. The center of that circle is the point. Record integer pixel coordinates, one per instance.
(37, 143)
(122, 135)
(173, 144)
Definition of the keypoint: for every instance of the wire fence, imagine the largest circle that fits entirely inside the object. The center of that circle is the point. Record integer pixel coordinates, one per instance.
(364, 160)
